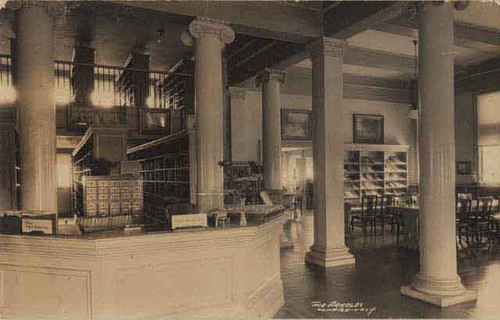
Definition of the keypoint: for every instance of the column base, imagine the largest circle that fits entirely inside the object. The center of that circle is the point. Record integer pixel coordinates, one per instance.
(327, 258)
(440, 292)
(285, 243)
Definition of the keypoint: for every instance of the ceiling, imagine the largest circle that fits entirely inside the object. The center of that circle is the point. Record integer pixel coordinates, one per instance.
(394, 37)
(268, 33)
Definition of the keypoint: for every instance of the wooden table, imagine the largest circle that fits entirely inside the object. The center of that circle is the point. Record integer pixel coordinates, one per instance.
(410, 214)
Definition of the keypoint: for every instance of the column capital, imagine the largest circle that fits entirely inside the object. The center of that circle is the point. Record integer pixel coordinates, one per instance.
(20, 4)
(413, 9)
(237, 93)
(271, 75)
(329, 47)
(202, 27)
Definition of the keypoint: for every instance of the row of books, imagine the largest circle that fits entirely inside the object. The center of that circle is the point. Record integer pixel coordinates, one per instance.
(395, 184)
(169, 161)
(122, 220)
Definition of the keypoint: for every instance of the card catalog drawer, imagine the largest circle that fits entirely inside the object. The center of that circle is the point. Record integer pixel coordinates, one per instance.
(91, 190)
(115, 183)
(104, 184)
(103, 196)
(103, 207)
(90, 183)
(114, 197)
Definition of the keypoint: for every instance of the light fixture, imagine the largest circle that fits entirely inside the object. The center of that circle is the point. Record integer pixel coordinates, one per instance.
(461, 5)
(413, 113)
(159, 35)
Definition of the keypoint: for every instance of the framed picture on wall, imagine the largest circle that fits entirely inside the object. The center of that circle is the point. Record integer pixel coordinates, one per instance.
(464, 167)
(154, 121)
(296, 124)
(368, 128)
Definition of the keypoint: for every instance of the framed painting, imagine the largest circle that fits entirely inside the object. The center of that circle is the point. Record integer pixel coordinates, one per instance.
(464, 167)
(296, 124)
(155, 121)
(368, 129)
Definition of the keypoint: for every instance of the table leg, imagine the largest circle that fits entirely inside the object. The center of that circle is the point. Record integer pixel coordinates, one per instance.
(243, 218)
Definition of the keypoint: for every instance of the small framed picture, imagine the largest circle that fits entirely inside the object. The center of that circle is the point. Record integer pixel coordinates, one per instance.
(296, 124)
(464, 167)
(155, 121)
(368, 128)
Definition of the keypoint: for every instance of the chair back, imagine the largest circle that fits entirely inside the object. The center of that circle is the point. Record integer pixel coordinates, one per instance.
(463, 208)
(389, 204)
(370, 205)
(484, 206)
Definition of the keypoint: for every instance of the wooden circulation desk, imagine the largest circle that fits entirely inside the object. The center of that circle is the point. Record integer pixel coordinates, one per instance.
(210, 272)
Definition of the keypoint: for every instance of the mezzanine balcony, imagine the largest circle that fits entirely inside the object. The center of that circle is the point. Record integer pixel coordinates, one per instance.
(146, 101)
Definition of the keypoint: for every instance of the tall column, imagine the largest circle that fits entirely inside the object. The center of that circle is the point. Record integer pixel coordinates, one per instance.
(285, 167)
(226, 110)
(7, 164)
(36, 111)
(437, 282)
(83, 74)
(301, 167)
(210, 37)
(271, 127)
(329, 247)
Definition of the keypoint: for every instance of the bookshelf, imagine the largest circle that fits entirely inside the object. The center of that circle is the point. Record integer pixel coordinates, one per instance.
(165, 168)
(375, 170)
(243, 177)
(167, 175)
(102, 196)
(396, 173)
(178, 88)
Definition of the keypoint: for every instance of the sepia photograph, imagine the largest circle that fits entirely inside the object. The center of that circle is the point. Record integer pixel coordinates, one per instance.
(286, 159)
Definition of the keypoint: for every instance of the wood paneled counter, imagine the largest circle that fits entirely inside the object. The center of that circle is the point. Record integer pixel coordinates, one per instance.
(209, 272)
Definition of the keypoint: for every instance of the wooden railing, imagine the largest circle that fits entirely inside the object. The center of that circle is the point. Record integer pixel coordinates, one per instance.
(145, 100)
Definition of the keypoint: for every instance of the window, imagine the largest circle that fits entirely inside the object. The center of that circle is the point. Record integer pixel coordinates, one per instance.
(488, 128)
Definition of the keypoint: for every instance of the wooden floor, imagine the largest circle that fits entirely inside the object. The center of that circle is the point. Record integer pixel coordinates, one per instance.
(382, 266)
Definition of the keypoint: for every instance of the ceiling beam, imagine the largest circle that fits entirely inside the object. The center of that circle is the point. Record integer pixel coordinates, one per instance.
(396, 29)
(266, 19)
(268, 56)
(378, 59)
(352, 17)
(481, 78)
(464, 32)
(254, 54)
(477, 34)
(295, 53)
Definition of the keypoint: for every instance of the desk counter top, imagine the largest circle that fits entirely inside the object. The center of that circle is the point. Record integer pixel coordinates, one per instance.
(202, 272)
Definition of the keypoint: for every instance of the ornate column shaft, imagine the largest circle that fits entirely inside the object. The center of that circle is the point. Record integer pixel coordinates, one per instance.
(271, 127)
(241, 148)
(36, 111)
(285, 168)
(210, 37)
(329, 247)
(7, 162)
(437, 281)
(301, 166)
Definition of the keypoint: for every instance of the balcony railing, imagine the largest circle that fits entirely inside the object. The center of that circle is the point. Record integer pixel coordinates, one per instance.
(82, 115)
(146, 101)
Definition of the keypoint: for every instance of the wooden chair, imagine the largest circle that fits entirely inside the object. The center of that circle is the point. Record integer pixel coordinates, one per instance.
(463, 214)
(392, 216)
(480, 221)
(370, 215)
